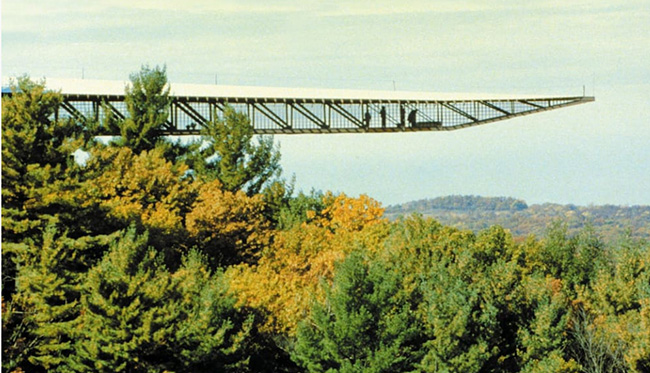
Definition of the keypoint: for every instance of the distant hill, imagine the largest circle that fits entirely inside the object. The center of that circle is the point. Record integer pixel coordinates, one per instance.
(477, 213)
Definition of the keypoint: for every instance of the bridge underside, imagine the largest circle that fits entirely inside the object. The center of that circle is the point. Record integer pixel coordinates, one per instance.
(295, 115)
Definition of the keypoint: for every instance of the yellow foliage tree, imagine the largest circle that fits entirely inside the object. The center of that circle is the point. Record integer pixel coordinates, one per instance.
(350, 214)
(288, 276)
(144, 188)
(229, 226)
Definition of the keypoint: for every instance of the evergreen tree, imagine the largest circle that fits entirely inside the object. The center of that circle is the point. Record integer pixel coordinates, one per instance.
(37, 160)
(139, 317)
(36, 152)
(47, 299)
(468, 291)
(227, 153)
(147, 102)
(364, 324)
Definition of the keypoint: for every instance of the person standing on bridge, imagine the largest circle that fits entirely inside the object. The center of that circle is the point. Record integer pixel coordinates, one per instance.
(412, 115)
(366, 118)
(382, 113)
(402, 116)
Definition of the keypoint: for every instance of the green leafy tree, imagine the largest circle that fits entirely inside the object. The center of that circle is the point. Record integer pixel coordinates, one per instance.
(227, 153)
(147, 102)
(296, 210)
(573, 258)
(466, 288)
(615, 320)
(364, 325)
(543, 333)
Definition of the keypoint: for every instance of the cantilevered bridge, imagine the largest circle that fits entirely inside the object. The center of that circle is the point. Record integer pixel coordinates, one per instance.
(295, 111)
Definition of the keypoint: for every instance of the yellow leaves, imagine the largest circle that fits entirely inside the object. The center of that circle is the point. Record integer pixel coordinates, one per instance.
(217, 212)
(162, 219)
(145, 188)
(351, 214)
(225, 221)
(289, 275)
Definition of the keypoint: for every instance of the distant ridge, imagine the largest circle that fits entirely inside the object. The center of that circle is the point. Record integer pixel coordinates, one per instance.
(476, 213)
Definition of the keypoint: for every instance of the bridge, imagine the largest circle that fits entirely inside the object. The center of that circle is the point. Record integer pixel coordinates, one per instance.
(296, 111)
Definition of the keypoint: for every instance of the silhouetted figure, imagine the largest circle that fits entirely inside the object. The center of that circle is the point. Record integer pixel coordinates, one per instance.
(402, 116)
(412, 117)
(382, 113)
(367, 118)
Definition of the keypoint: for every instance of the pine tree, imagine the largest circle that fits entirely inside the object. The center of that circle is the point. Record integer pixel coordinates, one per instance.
(36, 152)
(227, 153)
(48, 292)
(364, 324)
(147, 103)
(37, 159)
(136, 316)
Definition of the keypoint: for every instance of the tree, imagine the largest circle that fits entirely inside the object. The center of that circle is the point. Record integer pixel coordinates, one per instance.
(364, 324)
(229, 227)
(137, 316)
(546, 317)
(615, 321)
(228, 154)
(297, 209)
(47, 300)
(36, 152)
(147, 103)
(466, 289)
(289, 272)
(574, 259)
(37, 158)
(123, 188)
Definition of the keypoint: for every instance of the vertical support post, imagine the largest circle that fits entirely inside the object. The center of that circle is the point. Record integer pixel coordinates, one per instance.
(175, 117)
(288, 114)
(252, 114)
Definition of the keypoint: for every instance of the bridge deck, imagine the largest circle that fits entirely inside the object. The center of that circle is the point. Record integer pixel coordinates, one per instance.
(290, 111)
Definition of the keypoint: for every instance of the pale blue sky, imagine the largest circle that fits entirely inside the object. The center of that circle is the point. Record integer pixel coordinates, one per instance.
(589, 154)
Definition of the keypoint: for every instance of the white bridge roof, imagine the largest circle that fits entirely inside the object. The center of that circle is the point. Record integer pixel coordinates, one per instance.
(117, 88)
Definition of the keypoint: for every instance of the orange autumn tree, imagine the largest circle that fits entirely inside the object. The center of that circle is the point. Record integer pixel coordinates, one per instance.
(288, 276)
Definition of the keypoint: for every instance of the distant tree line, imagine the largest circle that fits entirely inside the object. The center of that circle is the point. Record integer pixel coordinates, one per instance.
(462, 203)
(476, 213)
(155, 255)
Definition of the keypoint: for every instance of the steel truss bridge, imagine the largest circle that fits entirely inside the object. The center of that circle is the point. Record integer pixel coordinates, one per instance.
(300, 111)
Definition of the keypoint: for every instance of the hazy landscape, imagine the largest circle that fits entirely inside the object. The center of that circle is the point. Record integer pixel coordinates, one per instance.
(476, 213)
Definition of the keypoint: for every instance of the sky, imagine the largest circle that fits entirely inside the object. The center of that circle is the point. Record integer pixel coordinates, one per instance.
(595, 153)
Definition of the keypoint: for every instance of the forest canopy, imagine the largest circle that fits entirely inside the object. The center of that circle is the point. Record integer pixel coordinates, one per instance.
(157, 255)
